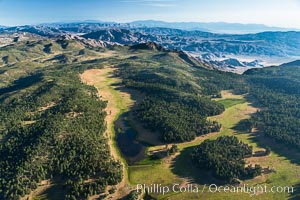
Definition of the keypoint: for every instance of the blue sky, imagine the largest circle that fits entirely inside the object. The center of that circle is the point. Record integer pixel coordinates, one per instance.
(282, 13)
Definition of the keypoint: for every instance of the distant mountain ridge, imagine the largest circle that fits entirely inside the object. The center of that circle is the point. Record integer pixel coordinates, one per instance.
(278, 44)
(293, 63)
(227, 52)
(214, 27)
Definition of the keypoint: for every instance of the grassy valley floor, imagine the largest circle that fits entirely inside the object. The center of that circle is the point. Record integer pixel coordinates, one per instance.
(179, 169)
(118, 102)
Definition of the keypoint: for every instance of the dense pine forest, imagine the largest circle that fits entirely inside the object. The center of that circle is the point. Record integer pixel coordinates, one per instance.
(277, 90)
(52, 127)
(225, 157)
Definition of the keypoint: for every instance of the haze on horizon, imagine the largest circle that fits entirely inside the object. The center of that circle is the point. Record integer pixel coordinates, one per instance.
(277, 13)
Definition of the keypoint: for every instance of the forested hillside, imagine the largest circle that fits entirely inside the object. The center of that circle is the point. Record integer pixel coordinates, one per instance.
(178, 94)
(278, 91)
(52, 127)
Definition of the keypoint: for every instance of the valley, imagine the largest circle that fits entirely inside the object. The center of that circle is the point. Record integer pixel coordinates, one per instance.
(86, 122)
(117, 103)
(173, 169)
(149, 100)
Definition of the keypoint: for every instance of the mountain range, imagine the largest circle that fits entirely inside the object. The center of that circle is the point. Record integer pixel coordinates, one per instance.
(228, 52)
(214, 27)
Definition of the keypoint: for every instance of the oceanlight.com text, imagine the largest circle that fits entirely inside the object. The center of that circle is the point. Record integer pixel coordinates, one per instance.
(212, 188)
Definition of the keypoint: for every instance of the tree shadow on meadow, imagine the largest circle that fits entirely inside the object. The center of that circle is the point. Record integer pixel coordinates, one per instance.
(296, 193)
(263, 141)
(56, 192)
(183, 167)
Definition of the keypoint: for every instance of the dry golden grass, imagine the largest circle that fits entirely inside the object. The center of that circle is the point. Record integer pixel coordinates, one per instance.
(118, 101)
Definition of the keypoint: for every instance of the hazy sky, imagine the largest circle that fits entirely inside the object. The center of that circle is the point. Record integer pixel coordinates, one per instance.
(282, 13)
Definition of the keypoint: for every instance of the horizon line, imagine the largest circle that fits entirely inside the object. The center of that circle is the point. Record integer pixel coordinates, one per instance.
(143, 20)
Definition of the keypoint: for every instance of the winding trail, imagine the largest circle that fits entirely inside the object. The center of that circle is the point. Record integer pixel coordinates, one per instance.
(118, 102)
